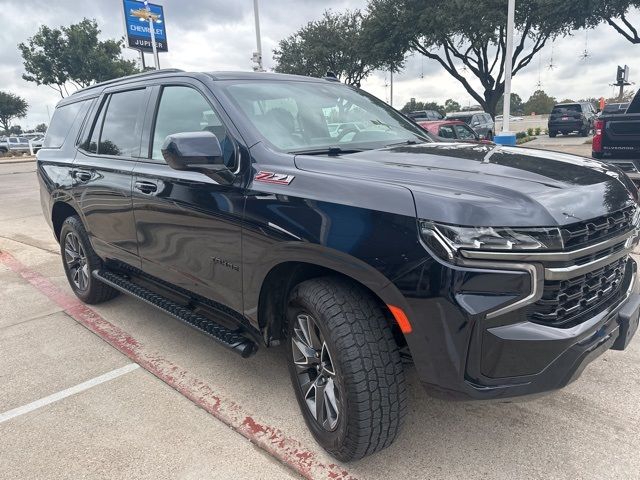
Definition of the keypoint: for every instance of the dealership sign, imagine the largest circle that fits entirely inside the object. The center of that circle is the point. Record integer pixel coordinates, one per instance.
(136, 19)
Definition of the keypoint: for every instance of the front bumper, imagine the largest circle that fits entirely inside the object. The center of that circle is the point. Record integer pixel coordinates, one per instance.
(461, 352)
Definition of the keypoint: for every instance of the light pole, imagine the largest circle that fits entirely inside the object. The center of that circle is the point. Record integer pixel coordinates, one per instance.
(506, 137)
(257, 56)
(152, 30)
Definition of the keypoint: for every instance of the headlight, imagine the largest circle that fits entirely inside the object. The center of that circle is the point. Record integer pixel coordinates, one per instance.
(448, 239)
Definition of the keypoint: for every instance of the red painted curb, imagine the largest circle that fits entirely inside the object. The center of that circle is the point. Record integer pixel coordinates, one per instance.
(275, 442)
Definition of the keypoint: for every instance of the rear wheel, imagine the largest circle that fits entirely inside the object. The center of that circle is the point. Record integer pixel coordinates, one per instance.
(585, 131)
(345, 368)
(553, 133)
(79, 260)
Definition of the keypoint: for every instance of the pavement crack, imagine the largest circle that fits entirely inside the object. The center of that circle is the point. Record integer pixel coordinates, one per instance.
(21, 242)
(32, 319)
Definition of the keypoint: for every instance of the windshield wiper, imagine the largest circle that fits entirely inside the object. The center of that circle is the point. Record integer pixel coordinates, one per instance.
(405, 142)
(331, 151)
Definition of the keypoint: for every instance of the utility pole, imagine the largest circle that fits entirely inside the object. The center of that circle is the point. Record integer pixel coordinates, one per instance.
(506, 137)
(152, 30)
(391, 90)
(257, 55)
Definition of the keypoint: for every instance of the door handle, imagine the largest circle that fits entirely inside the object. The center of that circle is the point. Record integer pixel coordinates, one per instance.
(146, 187)
(82, 175)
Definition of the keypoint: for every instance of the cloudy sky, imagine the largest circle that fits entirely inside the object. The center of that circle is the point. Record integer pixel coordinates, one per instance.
(219, 35)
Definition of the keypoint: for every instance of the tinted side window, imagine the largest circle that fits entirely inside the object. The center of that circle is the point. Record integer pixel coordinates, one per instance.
(465, 133)
(183, 109)
(90, 142)
(61, 123)
(121, 129)
(446, 132)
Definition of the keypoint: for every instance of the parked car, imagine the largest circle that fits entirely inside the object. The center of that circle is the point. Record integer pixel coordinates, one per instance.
(481, 122)
(14, 144)
(223, 200)
(617, 139)
(566, 118)
(452, 130)
(36, 143)
(614, 109)
(424, 115)
(511, 118)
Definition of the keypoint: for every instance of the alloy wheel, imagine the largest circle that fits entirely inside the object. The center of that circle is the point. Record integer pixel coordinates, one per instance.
(315, 372)
(76, 260)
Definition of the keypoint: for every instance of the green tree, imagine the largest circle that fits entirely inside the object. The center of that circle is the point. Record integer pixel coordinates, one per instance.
(517, 105)
(451, 105)
(468, 39)
(412, 106)
(336, 43)
(617, 13)
(73, 56)
(627, 96)
(539, 103)
(41, 128)
(15, 130)
(11, 107)
(567, 100)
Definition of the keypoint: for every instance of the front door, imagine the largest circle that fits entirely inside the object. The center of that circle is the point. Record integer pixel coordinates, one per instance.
(188, 226)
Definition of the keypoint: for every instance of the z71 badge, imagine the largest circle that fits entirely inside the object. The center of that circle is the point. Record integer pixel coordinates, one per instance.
(270, 177)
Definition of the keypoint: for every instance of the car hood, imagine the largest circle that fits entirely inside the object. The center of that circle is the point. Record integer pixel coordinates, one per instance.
(488, 185)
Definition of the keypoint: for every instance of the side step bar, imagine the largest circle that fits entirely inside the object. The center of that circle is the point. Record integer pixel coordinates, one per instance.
(226, 337)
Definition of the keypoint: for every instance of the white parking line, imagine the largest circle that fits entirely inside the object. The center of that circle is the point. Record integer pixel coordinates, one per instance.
(30, 407)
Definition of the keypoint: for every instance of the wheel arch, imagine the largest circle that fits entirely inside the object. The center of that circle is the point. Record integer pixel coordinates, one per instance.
(269, 302)
(60, 211)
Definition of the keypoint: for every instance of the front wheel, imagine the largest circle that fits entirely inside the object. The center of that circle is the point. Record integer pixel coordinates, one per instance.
(345, 368)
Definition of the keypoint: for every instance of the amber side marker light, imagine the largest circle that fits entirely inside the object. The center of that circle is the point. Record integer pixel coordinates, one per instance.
(401, 318)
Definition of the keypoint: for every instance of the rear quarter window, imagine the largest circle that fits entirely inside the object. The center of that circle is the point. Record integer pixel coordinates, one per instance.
(61, 123)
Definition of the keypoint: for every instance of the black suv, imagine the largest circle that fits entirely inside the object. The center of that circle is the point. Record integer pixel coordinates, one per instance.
(572, 117)
(223, 200)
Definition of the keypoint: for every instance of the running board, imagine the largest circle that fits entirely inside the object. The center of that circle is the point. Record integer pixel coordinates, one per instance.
(226, 337)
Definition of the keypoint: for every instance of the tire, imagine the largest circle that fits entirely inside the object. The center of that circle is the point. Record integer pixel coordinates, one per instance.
(553, 134)
(585, 132)
(79, 260)
(356, 357)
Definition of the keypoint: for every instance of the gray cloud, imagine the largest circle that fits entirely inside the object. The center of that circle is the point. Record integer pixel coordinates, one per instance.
(219, 35)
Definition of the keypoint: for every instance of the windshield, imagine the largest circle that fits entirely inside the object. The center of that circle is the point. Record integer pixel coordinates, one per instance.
(297, 116)
(463, 118)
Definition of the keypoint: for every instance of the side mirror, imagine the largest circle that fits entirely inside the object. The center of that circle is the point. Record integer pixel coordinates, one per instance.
(198, 152)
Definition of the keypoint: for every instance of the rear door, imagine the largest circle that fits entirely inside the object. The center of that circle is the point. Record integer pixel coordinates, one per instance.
(189, 226)
(102, 172)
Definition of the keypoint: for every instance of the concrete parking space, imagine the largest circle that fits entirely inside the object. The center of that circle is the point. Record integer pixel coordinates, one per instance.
(196, 410)
(574, 144)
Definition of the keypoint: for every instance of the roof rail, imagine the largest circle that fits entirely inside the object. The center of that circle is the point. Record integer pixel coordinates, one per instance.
(134, 76)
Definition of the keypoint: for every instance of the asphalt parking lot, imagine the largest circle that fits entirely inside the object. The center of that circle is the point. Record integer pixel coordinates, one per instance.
(138, 395)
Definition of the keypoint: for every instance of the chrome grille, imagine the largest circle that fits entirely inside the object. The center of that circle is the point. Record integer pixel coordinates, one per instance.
(598, 229)
(564, 302)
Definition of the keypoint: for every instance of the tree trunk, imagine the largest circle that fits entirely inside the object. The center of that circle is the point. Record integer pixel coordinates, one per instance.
(492, 97)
